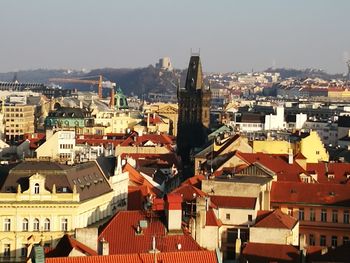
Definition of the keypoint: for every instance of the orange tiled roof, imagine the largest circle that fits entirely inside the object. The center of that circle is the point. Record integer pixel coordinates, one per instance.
(171, 257)
(322, 194)
(121, 235)
(275, 219)
(188, 192)
(259, 252)
(338, 170)
(278, 163)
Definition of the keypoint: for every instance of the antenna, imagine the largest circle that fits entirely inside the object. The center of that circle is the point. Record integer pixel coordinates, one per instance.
(348, 76)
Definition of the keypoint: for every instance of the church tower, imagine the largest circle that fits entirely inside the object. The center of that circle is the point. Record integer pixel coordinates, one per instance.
(194, 111)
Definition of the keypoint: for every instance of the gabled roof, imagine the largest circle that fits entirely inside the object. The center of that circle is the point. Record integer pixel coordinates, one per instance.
(232, 202)
(277, 163)
(322, 194)
(189, 192)
(275, 219)
(196, 180)
(259, 252)
(67, 244)
(173, 257)
(121, 234)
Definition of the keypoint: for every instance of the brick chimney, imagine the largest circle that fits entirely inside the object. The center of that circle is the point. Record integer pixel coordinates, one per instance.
(173, 211)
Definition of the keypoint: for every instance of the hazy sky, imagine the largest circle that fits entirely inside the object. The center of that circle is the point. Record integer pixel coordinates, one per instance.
(232, 35)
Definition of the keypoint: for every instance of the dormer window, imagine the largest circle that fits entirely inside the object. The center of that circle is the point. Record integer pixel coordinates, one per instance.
(36, 188)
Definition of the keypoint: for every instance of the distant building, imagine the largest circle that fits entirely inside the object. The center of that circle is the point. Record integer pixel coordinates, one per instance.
(19, 119)
(165, 64)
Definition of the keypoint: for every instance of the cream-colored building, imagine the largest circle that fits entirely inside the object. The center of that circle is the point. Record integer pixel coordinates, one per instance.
(168, 110)
(313, 149)
(59, 146)
(44, 200)
(19, 119)
(116, 122)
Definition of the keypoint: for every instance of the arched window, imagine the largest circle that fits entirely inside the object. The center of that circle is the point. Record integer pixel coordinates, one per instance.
(36, 188)
(25, 224)
(47, 224)
(36, 224)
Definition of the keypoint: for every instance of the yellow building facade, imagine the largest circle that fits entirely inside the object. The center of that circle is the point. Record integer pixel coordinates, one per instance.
(43, 207)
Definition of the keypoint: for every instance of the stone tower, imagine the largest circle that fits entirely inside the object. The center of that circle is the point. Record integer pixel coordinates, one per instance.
(194, 111)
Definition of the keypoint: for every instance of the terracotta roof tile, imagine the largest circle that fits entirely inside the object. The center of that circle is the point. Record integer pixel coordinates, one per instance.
(189, 192)
(258, 252)
(122, 237)
(275, 219)
(233, 202)
(170, 257)
(322, 194)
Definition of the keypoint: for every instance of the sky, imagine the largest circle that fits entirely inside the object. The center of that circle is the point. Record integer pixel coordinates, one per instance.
(231, 35)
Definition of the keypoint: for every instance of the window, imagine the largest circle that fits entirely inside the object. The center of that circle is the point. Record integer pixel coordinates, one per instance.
(228, 216)
(335, 216)
(345, 240)
(36, 224)
(7, 250)
(24, 251)
(334, 241)
(47, 224)
(317, 152)
(290, 211)
(7, 224)
(312, 240)
(324, 215)
(36, 188)
(250, 218)
(322, 240)
(312, 214)
(346, 217)
(64, 224)
(25, 224)
(301, 214)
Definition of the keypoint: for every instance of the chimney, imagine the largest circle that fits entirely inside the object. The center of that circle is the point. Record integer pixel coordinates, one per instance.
(103, 247)
(87, 236)
(173, 211)
(290, 156)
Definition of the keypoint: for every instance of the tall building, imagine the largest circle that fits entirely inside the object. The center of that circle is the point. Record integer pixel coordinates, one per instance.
(194, 111)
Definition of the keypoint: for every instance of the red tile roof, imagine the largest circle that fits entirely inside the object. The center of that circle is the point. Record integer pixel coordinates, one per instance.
(169, 158)
(275, 219)
(66, 245)
(211, 219)
(232, 202)
(123, 239)
(339, 170)
(278, 163)
(259, 252)
(170, 257)
(162, 139)
(189, 192)
(322, 194)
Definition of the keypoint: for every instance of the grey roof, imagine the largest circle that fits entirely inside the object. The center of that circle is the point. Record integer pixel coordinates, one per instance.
(88, 178)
